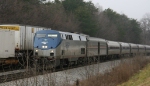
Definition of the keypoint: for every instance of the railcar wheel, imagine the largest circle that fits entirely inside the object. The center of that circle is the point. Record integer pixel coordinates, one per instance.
(80, 61)
(63, 62)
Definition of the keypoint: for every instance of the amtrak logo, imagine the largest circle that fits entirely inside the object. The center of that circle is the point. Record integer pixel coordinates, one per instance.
(44, 41)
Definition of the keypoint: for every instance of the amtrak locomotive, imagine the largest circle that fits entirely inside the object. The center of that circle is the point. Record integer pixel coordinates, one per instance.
(55, 48)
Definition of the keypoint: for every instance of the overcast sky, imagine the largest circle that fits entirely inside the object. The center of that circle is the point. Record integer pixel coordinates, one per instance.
(132, 8)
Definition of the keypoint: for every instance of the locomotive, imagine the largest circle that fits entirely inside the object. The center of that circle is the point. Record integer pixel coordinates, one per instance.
(54, 48)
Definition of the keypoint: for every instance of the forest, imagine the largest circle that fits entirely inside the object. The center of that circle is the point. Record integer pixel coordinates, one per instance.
(76, 16)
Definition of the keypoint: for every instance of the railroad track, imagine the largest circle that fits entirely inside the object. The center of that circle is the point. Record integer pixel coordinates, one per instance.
(24, 73)
(12, 75)
(30, 72)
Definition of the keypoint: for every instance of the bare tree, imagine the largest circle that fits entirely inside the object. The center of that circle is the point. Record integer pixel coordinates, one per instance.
(145, 25)
(107, 29)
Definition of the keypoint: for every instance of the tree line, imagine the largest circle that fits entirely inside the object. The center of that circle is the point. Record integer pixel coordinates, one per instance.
(73, 16)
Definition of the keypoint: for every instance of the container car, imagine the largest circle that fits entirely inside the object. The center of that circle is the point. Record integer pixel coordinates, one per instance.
(7, 45)
(16, 40)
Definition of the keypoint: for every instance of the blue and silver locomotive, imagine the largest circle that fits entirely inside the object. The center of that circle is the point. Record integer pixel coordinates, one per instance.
(58, 47)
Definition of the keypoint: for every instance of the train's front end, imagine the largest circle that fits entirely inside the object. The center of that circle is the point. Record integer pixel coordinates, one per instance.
(46, 43)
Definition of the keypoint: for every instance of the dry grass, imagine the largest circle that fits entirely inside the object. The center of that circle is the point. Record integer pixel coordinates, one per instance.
(119, 74)
(142, 78)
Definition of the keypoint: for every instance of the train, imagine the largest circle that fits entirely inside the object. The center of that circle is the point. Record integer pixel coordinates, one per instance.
(16, 43)
(54, 48)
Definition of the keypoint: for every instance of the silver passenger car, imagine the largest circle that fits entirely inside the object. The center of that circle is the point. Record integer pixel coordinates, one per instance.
(113, 48)
(134, 49)
(96, 47)
(125, 48)
(141, 49)
(147, 49)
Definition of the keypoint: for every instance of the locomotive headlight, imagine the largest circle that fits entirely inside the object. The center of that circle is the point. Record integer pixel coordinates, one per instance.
(52, 51)
(36, 50)
(45, 46)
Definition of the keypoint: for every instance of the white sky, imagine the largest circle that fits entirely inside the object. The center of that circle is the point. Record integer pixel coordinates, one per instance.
(132, 8)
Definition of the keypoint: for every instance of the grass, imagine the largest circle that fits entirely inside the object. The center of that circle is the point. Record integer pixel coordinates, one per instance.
(120, 74)
(142, 78)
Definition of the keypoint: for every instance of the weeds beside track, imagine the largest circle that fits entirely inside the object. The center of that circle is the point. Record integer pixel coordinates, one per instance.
(118, 74)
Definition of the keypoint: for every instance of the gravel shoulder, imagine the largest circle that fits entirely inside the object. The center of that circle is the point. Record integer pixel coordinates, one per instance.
(66, 77)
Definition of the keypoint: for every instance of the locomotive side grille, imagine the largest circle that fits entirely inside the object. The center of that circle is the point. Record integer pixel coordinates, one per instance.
(82, 50)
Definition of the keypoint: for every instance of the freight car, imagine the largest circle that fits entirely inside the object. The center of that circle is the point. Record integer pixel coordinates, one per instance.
(16, 41)
(54, 48)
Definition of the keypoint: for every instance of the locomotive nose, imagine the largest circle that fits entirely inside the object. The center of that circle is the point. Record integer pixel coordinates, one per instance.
(50, 53)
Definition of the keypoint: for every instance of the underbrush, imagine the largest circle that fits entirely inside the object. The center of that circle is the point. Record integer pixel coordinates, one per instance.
(118, 74)
(142, 78)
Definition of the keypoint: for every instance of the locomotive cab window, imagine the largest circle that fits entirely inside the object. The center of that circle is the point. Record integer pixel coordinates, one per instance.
(62, 36)
(80, 38)
(69, 37)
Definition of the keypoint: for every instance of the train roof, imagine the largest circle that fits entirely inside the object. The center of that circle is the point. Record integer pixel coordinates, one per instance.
(96, 39)
(108, 41)
(72, 33)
